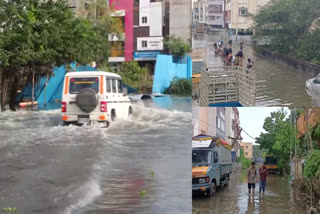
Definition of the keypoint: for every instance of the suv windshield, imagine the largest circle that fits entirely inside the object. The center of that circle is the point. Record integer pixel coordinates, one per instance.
(201, 157)
(76, 84)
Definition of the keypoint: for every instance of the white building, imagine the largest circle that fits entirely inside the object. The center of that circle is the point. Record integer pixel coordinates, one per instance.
(215, 13)
(232, 119)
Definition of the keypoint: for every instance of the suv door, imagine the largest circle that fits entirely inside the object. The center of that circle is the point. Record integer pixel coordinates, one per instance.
(111, 92)
(123, 104)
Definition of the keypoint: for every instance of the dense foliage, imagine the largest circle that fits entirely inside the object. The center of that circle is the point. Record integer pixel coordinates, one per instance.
(177, 47)
(279, 137)
(246, 163)
(181, 87)
(293, 26)
(135, 76)
(37, 35)
(312, 166)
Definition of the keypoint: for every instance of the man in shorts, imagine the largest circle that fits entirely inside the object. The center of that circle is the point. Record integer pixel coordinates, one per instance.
(252, 175)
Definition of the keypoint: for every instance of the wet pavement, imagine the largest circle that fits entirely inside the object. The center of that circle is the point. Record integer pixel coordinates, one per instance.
(234, 198)
(139, 165)
(278, 84)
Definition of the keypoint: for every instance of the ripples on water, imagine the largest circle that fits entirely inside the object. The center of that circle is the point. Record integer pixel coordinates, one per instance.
(234, 198)
(54, 169)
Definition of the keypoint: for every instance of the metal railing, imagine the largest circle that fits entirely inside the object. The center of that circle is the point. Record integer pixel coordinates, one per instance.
(227, 84)
(117, 53)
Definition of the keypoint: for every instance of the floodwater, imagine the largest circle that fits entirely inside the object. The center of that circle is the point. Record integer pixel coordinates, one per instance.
(139, 165)
(234, 198)
(278, 84)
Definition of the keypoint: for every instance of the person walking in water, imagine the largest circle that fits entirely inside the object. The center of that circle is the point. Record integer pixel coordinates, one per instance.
(252, 176)
(263, 177)
(250, 64)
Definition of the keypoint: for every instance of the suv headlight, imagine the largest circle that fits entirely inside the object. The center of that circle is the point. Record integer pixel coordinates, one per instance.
(202, 180)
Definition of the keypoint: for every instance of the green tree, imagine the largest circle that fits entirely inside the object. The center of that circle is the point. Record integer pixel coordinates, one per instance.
(278, 138)
(292, 25)
(38, 35)
(246, 163)
(177, 47)
(135, 76)
(181, 86)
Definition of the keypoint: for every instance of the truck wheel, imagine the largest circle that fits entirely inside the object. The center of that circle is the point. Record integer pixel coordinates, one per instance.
(212, 190)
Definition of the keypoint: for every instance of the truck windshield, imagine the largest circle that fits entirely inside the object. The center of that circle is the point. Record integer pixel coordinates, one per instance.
(271, 161)
(201, 157)
(76, 84)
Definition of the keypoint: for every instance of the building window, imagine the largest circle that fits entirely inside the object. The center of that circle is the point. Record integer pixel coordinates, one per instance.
(246, 153)
(144, 44)
(144, 20)
(246, 147)
(243, 11)
(218, 17)
(220, 124)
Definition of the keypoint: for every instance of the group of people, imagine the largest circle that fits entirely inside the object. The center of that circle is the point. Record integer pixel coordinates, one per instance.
(252, 176)
(226, 53)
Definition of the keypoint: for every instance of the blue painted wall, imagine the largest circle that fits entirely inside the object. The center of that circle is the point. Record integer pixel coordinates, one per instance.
(50, 97)
(166, 70)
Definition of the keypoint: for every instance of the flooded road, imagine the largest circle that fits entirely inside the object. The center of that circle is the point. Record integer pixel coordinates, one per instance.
(278, 84)
(234, 198)
(138, 165)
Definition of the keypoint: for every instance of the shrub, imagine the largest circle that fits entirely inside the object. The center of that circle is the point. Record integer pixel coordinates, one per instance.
(181, 87)
(312, 166)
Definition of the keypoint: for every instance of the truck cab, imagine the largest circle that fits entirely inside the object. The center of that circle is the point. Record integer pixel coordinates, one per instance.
(211, 164)
(271, 165)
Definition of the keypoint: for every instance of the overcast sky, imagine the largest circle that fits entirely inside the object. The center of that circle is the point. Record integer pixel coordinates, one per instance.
(252, 119)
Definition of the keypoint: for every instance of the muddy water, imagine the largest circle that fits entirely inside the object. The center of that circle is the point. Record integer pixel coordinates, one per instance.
(234, 198)
(278, 84)
(138, 165)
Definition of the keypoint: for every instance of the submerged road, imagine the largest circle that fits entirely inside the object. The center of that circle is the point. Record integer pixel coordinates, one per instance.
(140, 165)
(234, 199)
(278, 84)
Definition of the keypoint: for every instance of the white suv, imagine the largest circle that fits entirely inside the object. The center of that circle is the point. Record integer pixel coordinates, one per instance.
(94, 96)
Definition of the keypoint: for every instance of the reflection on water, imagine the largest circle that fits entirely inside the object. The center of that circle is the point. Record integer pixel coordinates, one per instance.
(235, 198)
(277, 84)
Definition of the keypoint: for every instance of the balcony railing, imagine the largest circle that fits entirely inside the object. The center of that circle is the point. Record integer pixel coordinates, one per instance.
(117, 53)
(114, 37)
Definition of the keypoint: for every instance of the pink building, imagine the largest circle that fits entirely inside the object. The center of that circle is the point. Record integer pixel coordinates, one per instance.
(122, 48)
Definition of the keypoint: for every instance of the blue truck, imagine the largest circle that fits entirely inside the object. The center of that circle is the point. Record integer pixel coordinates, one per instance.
(211, 164)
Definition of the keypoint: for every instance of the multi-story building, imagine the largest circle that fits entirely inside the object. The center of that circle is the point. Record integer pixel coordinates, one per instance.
(122, 46)
(202, 11)
(215, 13)
(195, 120)
(147, 29)
(247, 148)
(212, 121)
(237, 14)
(178, 18)
(218, 121)
(232, 130)
(142, 39)
(195, 13)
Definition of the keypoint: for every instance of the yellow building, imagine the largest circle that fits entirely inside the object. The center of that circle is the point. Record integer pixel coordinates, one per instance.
(248, 149)
(237, 13)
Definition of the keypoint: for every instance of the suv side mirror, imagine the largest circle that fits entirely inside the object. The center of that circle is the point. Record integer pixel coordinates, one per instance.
(125, 91)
